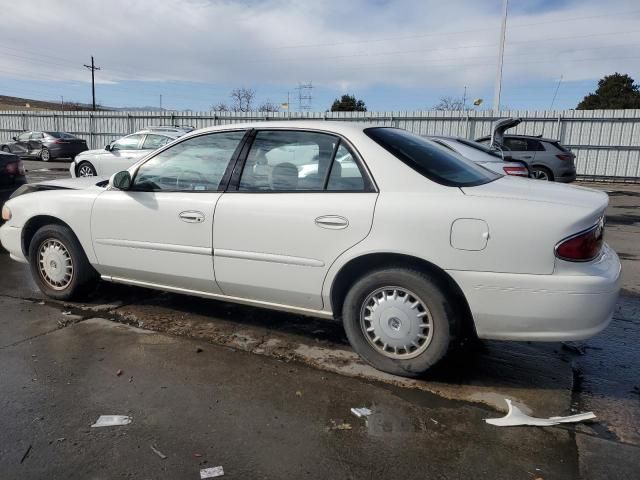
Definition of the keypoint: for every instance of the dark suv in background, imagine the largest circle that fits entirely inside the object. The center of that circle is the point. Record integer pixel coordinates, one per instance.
(45, 145)
(547, 158)
(11, 175)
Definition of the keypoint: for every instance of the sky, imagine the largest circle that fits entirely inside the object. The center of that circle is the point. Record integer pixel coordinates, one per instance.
(395, 55)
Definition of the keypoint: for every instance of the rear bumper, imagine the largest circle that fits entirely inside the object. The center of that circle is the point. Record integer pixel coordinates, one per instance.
(543, 307)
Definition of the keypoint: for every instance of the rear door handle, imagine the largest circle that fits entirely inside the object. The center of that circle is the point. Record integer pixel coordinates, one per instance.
(333, 222)
(192, 216)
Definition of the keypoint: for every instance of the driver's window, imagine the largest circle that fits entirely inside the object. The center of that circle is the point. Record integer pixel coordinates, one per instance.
(196, 164)
(130, 142)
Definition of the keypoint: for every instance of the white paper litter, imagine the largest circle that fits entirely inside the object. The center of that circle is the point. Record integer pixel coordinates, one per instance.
(211, 472)
(361, 412)
(516, 417)
(112, 420)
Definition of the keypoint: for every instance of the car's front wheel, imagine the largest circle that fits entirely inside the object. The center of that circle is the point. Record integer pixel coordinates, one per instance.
(58, 263)
(45, 154)
(6, 149)
(399, 320)
(86, 169)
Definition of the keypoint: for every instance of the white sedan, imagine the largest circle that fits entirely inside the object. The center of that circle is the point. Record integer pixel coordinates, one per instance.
(417, 250)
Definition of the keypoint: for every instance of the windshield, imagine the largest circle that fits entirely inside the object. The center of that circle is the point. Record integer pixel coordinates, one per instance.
(425, 157)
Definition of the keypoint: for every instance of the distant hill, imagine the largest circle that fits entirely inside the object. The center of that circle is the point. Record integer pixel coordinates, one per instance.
(139, 109)
(18, 103)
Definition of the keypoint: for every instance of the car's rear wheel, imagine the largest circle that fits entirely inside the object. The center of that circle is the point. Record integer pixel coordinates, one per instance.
(58, 263)
(6, 149)
(399, 320)
(86, 169)
(45, 154)
(542, 173)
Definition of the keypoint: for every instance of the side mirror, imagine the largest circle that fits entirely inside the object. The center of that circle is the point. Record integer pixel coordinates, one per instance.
(121, 180)
(108, 148)
(15, 139)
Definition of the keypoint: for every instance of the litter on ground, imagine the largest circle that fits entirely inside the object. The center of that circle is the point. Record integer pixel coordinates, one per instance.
(112, 420)
(157, 452)
(211, 472)
(516, 417)
(361, 412)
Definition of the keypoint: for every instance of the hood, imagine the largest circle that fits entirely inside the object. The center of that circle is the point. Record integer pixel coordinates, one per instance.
(74, 183)
(501, 126)
(97, 151)
(62, 184)
(510, 188)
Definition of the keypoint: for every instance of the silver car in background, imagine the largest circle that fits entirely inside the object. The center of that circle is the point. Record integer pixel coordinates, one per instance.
(488, 158)
(124, 152)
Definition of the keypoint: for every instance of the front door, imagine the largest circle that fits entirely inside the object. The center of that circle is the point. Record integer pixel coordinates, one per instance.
(21, 145)
(302, 199)
(35, 143)
(160, 230)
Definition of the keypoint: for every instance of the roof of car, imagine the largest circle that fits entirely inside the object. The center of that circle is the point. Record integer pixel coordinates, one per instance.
(329, 126)
(159, 132)
(532, 137)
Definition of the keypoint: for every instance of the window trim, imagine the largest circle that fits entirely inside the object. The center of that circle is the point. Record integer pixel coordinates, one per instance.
(369, 183)
(224, 182)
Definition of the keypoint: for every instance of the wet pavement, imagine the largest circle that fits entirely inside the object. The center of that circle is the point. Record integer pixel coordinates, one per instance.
(264, 394)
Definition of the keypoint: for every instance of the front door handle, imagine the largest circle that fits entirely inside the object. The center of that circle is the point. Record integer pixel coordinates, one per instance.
(192, 216)
(333, 222)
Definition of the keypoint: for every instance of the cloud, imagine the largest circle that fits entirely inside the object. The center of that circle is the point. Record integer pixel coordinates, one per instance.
(337, 44)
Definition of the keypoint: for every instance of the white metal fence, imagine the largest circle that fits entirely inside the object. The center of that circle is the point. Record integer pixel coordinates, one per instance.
(606, 142)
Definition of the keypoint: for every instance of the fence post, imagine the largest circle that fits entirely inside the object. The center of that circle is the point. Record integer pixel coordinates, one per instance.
(91, 130)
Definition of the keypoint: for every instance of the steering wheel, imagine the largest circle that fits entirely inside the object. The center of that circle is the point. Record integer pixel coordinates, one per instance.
(194, 173)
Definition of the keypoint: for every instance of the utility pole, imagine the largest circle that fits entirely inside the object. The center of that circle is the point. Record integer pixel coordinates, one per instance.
(93, 69)
(464, 99)
(503, 33)
(160, 101)
(62, 104)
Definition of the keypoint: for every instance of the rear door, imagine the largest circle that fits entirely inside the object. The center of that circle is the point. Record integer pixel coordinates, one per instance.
(35, 143)
(300, 200)
(519, 149)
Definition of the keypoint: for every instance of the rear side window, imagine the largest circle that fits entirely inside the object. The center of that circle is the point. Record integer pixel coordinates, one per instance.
(154, 141)
(430, 160)
(534, 145)
(60, 135)
(516, 144)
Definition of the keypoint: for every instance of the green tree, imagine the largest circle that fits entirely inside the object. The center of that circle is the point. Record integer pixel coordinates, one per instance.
(615, 91)
(348, 103)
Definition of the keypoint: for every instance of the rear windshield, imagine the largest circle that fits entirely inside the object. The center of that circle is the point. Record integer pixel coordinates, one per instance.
(60, 134)
(479, 146)
(429, 159)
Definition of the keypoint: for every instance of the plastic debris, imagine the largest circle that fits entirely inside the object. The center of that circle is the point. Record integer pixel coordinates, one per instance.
(157, 452)
(112, 420)
(361, 412)
(516, 417)
(119, 372)
(339, 426)
(66, 313)
(211, 472)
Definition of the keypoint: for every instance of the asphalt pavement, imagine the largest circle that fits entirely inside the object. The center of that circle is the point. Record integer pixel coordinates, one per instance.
(268, 395)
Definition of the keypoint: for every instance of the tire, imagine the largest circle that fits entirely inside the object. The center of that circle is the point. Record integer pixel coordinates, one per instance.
(88, 169)
(6, 149)
(45, 154)
(542, 173)
(60, 248)
(399, 320)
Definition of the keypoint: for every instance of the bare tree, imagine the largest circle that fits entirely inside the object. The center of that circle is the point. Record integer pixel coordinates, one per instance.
(450, 103)
(220, 107)
(269, 107)
(242, 99)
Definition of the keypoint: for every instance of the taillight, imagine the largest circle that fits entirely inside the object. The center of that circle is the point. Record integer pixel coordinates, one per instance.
(564, 156)
(14, 168)
(519, 171)
(583, 246)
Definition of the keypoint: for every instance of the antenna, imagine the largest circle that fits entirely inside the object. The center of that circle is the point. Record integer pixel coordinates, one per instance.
(304, 96)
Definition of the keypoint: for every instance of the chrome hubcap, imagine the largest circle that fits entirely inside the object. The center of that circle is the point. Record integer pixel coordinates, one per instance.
(86, 171)
(396, 322)
(45, 155)
(55, 264)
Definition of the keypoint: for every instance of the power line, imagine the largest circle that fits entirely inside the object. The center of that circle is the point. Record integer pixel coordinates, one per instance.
(93, 69)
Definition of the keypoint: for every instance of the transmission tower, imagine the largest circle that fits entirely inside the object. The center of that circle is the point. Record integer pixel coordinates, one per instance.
(304, 96)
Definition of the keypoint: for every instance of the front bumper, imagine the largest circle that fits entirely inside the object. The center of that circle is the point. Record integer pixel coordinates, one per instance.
(11, 240)
(557, 307)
